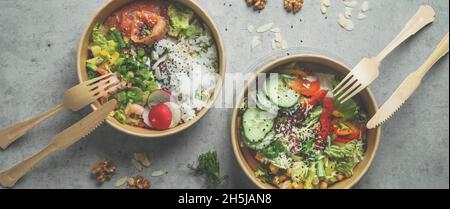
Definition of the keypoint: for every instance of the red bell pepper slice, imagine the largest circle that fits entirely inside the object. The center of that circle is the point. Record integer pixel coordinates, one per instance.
(305, 87)
(344, 132)
(319, 96)
(325, 120)
(343, 140)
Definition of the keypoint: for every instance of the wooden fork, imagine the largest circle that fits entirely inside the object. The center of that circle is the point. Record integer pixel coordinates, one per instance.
(366, 71)
(74, 99)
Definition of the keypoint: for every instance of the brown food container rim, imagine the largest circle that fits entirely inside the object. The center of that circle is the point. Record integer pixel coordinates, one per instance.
(107, 10)
(370, 102)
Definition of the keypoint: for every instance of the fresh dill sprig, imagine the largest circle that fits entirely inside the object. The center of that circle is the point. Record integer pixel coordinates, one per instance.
(208, 165)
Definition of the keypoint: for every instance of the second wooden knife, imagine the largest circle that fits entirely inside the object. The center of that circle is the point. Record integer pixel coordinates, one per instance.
(407, 88)
(60, 142)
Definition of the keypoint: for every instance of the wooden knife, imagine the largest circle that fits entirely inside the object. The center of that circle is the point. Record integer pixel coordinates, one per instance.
(71, 135)
(407, 88)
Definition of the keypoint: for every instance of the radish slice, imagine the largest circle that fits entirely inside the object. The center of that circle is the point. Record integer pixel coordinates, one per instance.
(160, 117)
(114, 89)
(134, 109)
(176, 113)
(159, 96)
(145, 117)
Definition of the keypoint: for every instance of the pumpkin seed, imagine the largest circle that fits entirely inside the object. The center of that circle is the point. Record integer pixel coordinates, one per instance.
(120, 182)
(143, 159)
(137, 165)
(158, 173)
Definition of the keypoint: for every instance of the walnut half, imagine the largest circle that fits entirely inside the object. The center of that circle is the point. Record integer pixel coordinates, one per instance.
(103, 171)
(138, 182)
(293, 5)
(256, 4)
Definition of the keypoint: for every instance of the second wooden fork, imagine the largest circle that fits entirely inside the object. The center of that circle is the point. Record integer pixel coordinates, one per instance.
(74, 99)
(366, 71)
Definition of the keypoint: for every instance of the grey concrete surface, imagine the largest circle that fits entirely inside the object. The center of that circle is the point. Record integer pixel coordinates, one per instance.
(38, 43)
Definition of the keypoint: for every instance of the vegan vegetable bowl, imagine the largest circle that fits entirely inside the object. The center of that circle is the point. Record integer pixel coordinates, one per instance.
(289, 132)
(167, 57)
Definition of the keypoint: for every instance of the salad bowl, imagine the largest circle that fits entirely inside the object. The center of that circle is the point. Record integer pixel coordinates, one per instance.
(245, 156)
(85, 53)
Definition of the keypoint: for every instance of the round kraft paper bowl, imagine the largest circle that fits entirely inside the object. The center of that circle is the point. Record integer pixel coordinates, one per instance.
(104, 13)
(366, 98)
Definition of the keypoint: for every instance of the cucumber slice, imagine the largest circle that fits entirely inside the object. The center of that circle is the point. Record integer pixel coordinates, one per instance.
(268, 139)
(266, 104)
(263, 103)
(256, 124)
(280, 94)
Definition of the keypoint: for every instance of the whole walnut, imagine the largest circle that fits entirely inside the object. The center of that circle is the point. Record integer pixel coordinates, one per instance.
(103, 171)
(293, 5)
(256, 4)
(138, 182)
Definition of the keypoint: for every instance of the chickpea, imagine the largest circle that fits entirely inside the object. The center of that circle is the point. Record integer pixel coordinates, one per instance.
(340, 177)
(259, 158)
(289, 172)
(286, 185)
(273, 169)
(297, 185)
(277, 180)
(323, 185)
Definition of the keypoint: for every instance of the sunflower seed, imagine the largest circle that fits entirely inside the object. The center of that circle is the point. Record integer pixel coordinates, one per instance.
(121, 181)
(158, 173)
(326, 3)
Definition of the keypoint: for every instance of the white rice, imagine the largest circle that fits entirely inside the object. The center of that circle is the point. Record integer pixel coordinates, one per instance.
(187, 76)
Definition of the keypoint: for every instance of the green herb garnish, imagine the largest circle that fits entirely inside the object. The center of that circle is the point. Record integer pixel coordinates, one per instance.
(208, 165)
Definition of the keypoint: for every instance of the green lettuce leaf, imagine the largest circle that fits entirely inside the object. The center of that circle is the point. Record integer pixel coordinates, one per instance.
(273, 151)
(346, 157)
(98, 37)
(349, 109)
